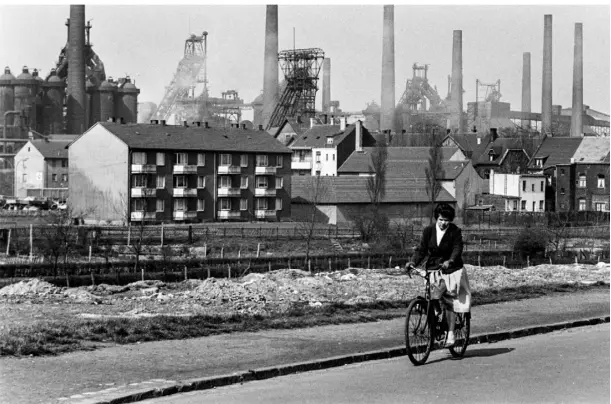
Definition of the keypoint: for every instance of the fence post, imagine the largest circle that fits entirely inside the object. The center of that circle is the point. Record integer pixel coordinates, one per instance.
(258, 249)
(576, 259)
(32, 242)
(310, 266)
(479, 260)
(222, 251)
(349, 262)
(89, 252)
(329, 264)
(205, 249)
(161, 237)
(527, 261)
(186, 273)
(142, 271)
(229, 270)
(390, 262)
(129, 233)
(550, 259)
(336, 229)
(190, 234)
(8, 242)
(504, 261)
(269, 266)
(289, 262)
(208, 271)
(239, 253)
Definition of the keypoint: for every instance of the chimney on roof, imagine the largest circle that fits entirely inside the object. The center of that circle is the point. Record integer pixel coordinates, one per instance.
(358, 137)
(163, 122)
(326, 119)
(184, 123)
(342, 123)
(260, 127)
(244, 126)
(312, 122)
(493, 134)
(122, 121)
(206, 125)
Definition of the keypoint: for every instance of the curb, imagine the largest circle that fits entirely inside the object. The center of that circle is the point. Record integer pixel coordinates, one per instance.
(325, 363)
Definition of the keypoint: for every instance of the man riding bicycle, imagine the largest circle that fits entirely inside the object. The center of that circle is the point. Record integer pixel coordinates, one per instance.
(440, 249)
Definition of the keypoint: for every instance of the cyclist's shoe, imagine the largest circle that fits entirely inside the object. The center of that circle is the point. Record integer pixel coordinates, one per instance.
(450, 339)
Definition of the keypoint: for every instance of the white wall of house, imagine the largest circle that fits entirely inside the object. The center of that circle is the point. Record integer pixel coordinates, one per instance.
(504, 184)
(98, 176)
(530, 189)
(325, 161)
(29, 170)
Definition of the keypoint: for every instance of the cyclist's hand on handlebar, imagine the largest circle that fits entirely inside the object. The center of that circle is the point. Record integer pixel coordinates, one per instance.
(409, 267)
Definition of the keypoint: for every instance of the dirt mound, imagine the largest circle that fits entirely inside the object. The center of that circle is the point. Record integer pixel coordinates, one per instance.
(31, 286)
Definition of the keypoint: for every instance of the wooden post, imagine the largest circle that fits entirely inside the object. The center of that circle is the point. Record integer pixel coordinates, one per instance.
(92, 277)
(527, 261)
(186, 273)
(310, 266)
(129, 233)
(390, 262)
(349, 263)
(229, 270)
(239, 253)
(205, 249)
(190, 235)
(576, 259)
(161, 234)
(208, 270)
(289, 262)
(142, 270)
(329, 264)
(222, 251)
(550, 260)
(504, 261)
(479, 260)
(32, 242)
(258, 249)
(90, 253)
(8, 242)
(269, 266)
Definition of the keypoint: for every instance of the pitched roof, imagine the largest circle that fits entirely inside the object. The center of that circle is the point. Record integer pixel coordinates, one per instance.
(151, 136)
(555, 150)
(317, 135)
(360, 162)
(468, 141)
(499, 146)
(353, 189)
(52, 149)
(592, 150)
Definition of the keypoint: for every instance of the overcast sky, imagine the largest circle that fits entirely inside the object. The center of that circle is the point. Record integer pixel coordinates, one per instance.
(147, 42)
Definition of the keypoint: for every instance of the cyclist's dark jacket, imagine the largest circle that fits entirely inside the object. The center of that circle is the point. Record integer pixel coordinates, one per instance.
(450, 248)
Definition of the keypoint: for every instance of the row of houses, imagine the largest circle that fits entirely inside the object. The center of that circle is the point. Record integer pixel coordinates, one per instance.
(155, 172)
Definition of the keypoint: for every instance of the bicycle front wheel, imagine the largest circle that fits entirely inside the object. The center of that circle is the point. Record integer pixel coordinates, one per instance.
(418, 334)
(462, 331)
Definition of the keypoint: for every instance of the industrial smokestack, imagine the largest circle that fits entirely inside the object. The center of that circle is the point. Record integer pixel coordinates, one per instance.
(456, 117)
(546, 92)
(326, 85)
(526, 88)
(76, 95)
(270, 73)
(388, 69)
(577, 107)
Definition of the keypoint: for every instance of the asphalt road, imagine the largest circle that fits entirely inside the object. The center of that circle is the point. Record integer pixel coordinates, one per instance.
(570, 366)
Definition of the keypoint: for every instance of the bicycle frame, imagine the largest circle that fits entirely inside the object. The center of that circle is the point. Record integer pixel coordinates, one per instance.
(438, 327)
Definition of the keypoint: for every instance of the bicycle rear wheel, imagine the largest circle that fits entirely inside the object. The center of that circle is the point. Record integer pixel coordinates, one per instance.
(461, 332)
(418, 334)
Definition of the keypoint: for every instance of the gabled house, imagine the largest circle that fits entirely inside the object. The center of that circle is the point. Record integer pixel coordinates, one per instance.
(583, 183)
(345, 198)
(288, 131)
(41, 169)
(515, 192)
(162, 173)
(503, 155)
(471, 144)
(323, 148)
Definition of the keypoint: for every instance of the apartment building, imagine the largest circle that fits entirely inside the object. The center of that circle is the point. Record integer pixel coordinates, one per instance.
(41, 168)
(161, 173)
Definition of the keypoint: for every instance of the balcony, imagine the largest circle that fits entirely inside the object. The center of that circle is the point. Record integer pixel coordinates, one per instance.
(183, 215)
(184, 192)
(184, 169)
(301, 164)
(265, 214)
(221, 192)
(265, 192)
(265, 170)
(228, 214)
(144, 169)
(229, 170)
(143, 192)
(139, 216)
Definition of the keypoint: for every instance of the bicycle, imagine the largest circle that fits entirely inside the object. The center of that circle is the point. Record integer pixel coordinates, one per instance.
(423, 326)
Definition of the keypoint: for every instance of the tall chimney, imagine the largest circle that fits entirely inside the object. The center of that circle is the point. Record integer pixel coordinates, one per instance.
(76, 95)
(456, 117)
(546, 92)
(270, 73)
(388, 69)
(326, 85)
(526, 88)
(358, 136)
(577, 107)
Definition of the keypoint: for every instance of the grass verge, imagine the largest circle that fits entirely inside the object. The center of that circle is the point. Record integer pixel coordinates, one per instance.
(60, 337)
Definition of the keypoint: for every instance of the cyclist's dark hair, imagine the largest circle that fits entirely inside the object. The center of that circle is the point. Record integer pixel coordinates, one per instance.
(445, 210)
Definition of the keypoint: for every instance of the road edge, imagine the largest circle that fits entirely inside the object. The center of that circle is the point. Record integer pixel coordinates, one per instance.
(324, 363)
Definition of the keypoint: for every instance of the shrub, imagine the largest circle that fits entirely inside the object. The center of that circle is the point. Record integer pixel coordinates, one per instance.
(530, 242)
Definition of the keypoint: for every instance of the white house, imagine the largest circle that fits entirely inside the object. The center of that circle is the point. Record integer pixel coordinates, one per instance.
(522, 192)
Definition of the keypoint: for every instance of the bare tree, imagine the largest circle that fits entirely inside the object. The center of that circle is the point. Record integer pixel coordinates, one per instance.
(434, 172)
(316, 191)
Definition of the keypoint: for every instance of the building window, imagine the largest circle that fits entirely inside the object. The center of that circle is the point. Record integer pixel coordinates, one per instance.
(160, 205)
(601, 181)
(53, 177)
(201, 181)
(523, 205)
(562, 191)
(201, 159)
(279, 161)
(160, 181)
(279, 182)
(243, 204)
(225, 203)
(261, 182)
(541, 205)
(244, 182)
(532, 187)
(318, 172)
(180, 159)
(539, 162)
(261, 203)
(534, 205)
(225, 159)
(138, 180)
(278, 203)
(139, 205)
(491, 156)
(64, 177)
(333, 156)
(64, 163)
(138, 158)
(225, 181)
(524, 186)
(318, 157)
(244, 160)
(599, 206)
(581, 183)
(326, 156)
(515, 205)
(201, 205)
(180, 205)
(582, 204)
(261, 160)
(562, 171)
(180, 181)
(160, 159)
(542, 186)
